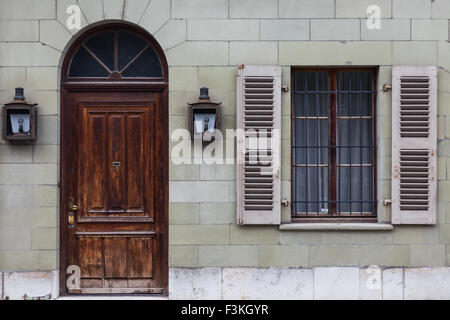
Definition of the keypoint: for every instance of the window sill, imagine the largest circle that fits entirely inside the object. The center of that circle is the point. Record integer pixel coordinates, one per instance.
(335, 226)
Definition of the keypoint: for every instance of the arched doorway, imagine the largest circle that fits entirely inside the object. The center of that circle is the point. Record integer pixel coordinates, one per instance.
(114, 164)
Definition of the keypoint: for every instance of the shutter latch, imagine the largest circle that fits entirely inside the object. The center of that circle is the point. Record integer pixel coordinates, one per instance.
(285, 202)
(387, 202)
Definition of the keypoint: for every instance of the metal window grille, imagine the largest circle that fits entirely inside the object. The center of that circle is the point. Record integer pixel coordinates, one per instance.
(333, 144)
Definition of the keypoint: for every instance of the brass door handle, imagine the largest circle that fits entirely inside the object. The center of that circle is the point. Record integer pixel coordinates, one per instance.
(72, 207)
(71, 218)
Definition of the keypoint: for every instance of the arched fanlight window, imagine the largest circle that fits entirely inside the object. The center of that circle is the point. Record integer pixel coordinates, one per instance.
(115, 55)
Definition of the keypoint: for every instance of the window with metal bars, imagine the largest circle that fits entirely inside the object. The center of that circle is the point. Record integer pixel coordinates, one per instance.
(333, 144)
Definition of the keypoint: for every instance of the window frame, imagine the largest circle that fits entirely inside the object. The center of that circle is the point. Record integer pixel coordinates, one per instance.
(333, 215)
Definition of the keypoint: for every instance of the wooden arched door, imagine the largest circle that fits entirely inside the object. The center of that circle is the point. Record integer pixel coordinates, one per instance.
(114, 164)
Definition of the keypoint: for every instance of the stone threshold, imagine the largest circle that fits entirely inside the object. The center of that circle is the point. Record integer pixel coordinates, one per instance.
(336, 226)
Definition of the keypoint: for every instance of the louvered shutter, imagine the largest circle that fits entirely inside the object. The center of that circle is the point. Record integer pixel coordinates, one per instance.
(414, 144)
(258, 115)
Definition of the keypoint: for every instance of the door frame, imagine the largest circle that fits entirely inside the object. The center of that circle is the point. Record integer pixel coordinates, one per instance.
(160, 86)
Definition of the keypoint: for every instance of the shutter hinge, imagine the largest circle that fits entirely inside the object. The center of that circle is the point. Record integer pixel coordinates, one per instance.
(285, 202)
(285, 88)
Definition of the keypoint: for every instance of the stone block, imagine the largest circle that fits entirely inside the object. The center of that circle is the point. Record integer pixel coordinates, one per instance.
(45, 153)
(47, 101)
(198, 234)
(228, 256)
(217, 78)
(27, 10)
(358, 8)
(26, 285)
(27, 54)
(336, 283)
(10, 78)
(195, 9)
(198, 54)
(429, 29)
(411, 9)
(444, 59)
(384, 255)
(427, 255)
(427, 283)
(268, 284)
(232, 29)
(306, 8)
(397, 29)
(333, 256)
(335, 29)
(370, 283)
(444, 233)
(29, 260)
(253, 9)
(218, 172)
(283, 256)
(41, 78)
(92, 10)
(28, 173)
(155, 16)
(198, 191)
(402, 53)
(24, 217)
(284, 29)
(45, 238)
(63, 16)
(440, 9)
(45, 196)
(393, 284)
(217, 213)
(134, 10)
(15, 154)
(13, 196)
(113, 9)
(335, 53)
(183, 256)
(17, 238)
(355, 237)
(53, 34)
(250, 53)
(253, 234)
(195, 284)
(183, 171)
(171, 34)
(303, 238)
(25, 30)
(47, 130)
(184, 213)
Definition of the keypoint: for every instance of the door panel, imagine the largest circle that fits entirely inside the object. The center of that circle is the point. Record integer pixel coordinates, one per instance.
(114, 166)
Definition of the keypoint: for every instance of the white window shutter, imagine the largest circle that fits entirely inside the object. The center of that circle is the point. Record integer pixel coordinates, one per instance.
(414, 144)
(258, 112)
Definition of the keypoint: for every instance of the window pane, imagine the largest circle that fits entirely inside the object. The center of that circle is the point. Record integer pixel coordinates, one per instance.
(84, 65)
(354, 142)
(103, 48)
(311, 190)
(355, 190)
(147, 65)
(129, 47)
(311, 133)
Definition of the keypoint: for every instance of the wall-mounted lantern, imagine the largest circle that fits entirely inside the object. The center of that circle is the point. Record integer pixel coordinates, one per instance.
(204, 117)
(19, 119)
